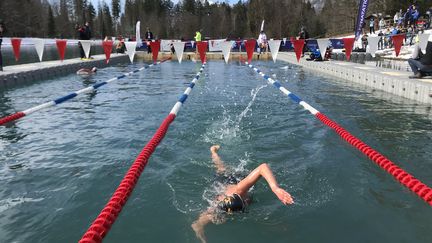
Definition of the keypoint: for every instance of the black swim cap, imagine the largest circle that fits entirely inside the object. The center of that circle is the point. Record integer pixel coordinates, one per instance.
(232, 203)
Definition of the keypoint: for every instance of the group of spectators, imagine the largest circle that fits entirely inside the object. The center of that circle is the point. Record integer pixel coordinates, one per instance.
(409, 23)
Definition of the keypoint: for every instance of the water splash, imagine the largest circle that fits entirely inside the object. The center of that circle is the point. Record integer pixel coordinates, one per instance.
(229, 128)
(187, 208)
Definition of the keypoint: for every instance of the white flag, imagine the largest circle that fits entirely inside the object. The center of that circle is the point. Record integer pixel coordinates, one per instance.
(130, 49)
(322, 46)
(192, 43)
(138, 34)
(423, 40)
(226, 49)
(373, 44)
(86, 44)
(179, 49)
(284, 40)
(274, 48)
(262, 26)
(39, 45)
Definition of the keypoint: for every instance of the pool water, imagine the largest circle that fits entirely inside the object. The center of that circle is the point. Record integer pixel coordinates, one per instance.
(58, 167)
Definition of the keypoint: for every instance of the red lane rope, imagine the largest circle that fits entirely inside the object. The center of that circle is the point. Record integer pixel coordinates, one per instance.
(12, 117)
(102, 224)
(415, 185)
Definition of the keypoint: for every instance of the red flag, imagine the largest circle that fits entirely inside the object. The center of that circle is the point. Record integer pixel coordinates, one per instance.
(61, 48)
(107, 47)
(16, 44)
(155, 46)
(250, 47)
(398, 41)
(202, 49)
(298, 47)
(348, 44)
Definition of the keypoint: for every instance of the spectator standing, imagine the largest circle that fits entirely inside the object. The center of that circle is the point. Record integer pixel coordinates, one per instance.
(382, 24)
(2, 29)
(84, 33)
(149, 37)
(364, 41)
(396, 17)
(414, 15)
(381, 40)
(262, 41)
(372, 26)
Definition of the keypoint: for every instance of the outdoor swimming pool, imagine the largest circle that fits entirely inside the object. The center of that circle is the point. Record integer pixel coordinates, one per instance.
(58, 167)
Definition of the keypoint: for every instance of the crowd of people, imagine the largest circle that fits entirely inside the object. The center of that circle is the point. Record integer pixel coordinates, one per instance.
(410, 22)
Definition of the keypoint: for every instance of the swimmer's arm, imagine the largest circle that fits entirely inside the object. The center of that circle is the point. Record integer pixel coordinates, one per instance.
(264, 171)
(200, 223)
(220, 167)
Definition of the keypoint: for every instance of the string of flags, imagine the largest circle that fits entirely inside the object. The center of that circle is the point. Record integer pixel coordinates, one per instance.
(222, 45)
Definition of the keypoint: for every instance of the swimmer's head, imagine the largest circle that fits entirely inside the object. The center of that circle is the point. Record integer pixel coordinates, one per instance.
(94, 69)
(232, 203)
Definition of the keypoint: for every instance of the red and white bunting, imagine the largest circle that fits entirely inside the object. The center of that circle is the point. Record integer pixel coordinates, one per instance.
(298, 47)
(131, 49)
(107, 47)
(373, 45)
(202, 50)
(322, 46)
(397, 42)
(155, 47)
(39, 45)
(423, 40)
(16, 45)
(348, 44)
(274, 48)
(226, 49)
(86, 45)
(179, 50)
(250, 48)
(61, 48)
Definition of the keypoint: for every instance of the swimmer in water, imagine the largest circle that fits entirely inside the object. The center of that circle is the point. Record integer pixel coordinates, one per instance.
(235, 198)
(87, 71)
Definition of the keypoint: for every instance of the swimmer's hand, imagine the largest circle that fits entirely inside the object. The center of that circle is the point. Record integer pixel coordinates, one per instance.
(214, 148)
(283, 196)
(199, 232)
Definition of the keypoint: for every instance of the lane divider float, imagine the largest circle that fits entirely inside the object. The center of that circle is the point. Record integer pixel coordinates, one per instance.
(406, 179)
(102, 224)
(60, 100)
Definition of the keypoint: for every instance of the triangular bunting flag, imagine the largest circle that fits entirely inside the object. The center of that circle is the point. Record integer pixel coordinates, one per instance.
(61, 48)
(16, 45)
(192, 44)
(423, 40)
(107, 47)
(322, 46)
(284, 41)
(86, 45)
(179, 50)
(250, 48)
(226, 49)
(39, 46)
(397, 42)
(155, 47)
(373, 44)
(274, 48)
(130, 49)
(348, 44)
(298, 47)
(202, 49)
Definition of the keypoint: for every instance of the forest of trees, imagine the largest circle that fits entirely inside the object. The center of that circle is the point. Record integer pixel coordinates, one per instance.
(58, 18)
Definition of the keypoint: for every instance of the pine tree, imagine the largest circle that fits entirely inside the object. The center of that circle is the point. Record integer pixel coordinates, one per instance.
(51, 28)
